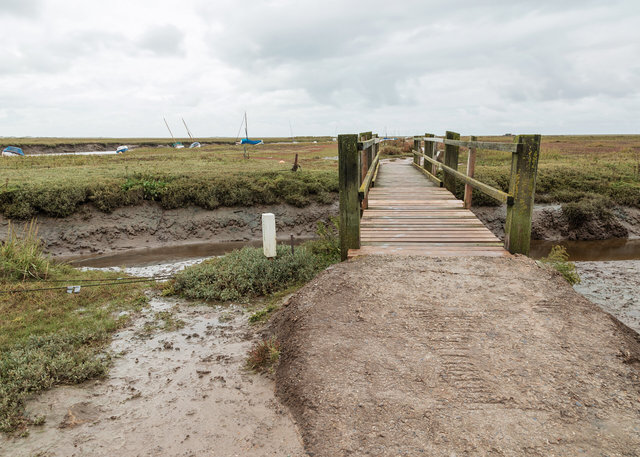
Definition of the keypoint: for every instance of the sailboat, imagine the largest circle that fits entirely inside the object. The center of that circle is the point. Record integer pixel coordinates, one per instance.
(176, 144)
(245, 141)
(194, 144)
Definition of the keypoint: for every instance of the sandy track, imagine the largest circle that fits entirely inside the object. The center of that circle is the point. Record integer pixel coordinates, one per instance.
(175, 393)
(441, 357)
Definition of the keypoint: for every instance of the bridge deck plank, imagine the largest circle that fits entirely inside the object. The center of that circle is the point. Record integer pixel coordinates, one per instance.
(409, 215)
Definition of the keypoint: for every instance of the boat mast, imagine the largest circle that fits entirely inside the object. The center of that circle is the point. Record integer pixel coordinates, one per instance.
(170, 132)
(246, 135)
(186, 127)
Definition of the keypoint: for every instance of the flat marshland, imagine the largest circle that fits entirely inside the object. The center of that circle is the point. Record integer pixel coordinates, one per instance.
(591, 171)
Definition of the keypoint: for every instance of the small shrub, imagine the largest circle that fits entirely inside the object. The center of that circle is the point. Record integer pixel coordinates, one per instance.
(558, 259)
(264, 355)
(327, 246)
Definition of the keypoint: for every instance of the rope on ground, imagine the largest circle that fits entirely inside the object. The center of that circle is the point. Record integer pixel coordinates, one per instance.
(76, 288)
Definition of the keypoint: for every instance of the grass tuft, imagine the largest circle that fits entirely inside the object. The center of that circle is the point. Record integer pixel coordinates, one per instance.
(264, 356)
(21, 255)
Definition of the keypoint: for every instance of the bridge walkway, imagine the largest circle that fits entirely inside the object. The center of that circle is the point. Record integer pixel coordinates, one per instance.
(407, 214)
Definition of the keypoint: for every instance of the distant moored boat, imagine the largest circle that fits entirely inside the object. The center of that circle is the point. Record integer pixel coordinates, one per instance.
(12, 151)
(195, 144)
(121, 149)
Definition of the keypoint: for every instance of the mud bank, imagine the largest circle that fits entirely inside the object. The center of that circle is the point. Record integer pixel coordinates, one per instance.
(182, 392)
(90, 231)
(549, 223)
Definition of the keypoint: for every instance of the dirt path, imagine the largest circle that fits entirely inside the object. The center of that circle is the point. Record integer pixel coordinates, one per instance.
(169, 393)
(456, 357)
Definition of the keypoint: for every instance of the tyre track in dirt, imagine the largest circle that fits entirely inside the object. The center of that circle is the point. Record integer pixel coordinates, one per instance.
(418, 356)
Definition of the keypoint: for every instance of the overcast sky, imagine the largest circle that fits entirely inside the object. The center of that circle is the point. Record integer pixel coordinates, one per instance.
(115, 68)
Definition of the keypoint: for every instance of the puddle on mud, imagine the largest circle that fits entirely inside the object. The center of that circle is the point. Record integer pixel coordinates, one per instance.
(165, 255)
(180, 392)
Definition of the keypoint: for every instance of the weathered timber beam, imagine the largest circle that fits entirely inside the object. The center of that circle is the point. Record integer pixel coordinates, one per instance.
(348, 183)
(522, 185)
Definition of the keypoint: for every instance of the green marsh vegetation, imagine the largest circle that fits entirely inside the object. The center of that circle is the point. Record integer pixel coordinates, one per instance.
(50, 337)
(207, 177)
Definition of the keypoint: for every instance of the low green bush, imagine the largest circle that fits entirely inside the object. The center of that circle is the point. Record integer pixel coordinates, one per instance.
(247, 273)
(592, 207)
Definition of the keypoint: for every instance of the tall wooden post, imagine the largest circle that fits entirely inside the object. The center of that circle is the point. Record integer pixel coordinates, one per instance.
(428, 151)
(349, 182)
(416, 147)
(451, 160)
(522, 186)
(471, 169)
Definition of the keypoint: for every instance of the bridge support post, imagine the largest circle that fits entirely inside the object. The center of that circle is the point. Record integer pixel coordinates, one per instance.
(349, 170)
(451, 154)
(429, 147)
(416, 147)
(522, 186)
(471, 169)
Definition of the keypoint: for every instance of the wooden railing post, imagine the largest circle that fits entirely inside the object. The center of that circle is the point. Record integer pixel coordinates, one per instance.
(451, 160)
(428, 151)
(416, 147)
(522, 186)
(349, 182)
(471, 168)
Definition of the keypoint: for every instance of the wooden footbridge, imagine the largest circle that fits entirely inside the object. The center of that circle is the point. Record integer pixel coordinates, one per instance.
(402, 207)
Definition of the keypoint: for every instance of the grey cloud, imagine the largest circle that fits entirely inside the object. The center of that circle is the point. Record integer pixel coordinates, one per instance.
(165, 40)
(26, 8)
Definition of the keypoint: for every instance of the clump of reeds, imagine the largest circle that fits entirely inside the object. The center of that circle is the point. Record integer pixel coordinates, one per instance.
(22, 256)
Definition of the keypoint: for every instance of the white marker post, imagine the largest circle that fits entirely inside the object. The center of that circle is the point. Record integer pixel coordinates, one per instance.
(269, 235)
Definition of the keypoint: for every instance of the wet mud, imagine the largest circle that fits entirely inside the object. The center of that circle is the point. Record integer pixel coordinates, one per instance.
(614, 286)
(181, 392)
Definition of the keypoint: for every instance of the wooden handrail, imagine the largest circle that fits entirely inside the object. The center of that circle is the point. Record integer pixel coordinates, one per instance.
(366, 182)
(502, 197)
(362, 145)
(490, 145)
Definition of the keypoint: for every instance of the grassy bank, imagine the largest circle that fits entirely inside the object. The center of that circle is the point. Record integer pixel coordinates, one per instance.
(50, 337)
(208, 177)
